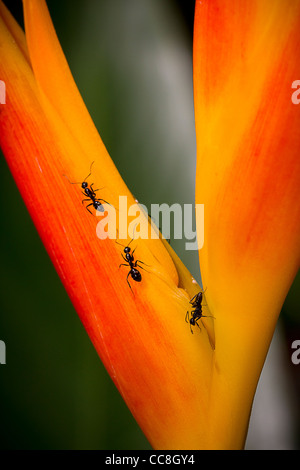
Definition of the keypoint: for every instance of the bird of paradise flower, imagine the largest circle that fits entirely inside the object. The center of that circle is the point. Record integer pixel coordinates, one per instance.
(208, 391)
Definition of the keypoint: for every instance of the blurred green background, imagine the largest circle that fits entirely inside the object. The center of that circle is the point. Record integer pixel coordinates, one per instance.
(132, 62)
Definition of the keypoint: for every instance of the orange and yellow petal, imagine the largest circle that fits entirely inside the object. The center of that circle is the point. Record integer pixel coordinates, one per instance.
(161, 370)
(248, 175)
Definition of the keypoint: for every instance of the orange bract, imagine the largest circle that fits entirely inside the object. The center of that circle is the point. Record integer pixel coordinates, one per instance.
(140, 335)
(248, 175)
(186, 391)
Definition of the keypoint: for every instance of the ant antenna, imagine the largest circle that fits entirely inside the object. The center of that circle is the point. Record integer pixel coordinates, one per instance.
(124, 246)
(71, 181)
(84, 178)
(120, 244)
(90, 171)
(132, 234)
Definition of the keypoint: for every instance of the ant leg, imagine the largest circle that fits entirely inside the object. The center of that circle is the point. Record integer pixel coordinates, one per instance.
(187, 317)
(89, 209)
(191, 301)
(103, 200)
(141, 267)
(138, 261)
(129, 282)
(198, 325)
(123, 264)
(95, 189)
(86, 200)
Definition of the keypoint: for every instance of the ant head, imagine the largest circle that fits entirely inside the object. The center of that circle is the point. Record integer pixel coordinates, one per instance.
(192, 321)
(127, 249)
(84, 185)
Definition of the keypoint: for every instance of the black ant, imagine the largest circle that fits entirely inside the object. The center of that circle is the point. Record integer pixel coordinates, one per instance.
(196, 314)
(129, 258)
(91, 194)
